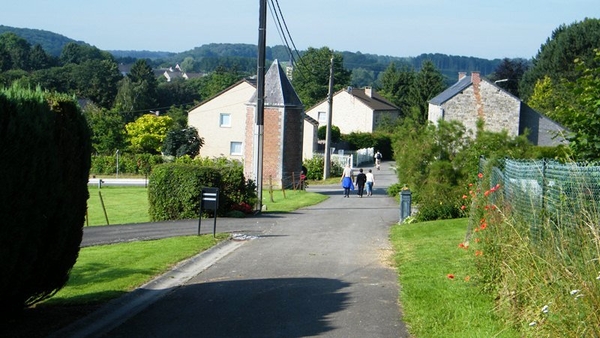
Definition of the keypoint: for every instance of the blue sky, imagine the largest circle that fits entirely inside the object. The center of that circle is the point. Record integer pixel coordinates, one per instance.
(479, 28)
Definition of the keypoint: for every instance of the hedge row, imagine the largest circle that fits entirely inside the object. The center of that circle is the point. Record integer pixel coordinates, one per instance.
(174, 189)
(137, 164)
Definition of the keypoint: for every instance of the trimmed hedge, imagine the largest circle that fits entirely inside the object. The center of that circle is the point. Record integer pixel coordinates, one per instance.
(137, 164)
(45, 149)
(174, 189)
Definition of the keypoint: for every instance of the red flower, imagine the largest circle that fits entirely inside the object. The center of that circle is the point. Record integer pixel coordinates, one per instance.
(450, 276)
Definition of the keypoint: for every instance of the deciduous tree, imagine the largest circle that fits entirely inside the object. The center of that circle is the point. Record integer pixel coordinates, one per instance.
(311, 75)
(147, 133)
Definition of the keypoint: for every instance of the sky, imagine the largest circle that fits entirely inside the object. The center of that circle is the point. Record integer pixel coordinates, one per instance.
(401, 28)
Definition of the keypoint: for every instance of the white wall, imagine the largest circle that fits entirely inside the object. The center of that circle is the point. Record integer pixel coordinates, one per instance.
(206, 118)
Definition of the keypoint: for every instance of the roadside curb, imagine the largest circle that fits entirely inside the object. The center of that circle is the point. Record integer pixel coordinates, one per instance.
(119, 310)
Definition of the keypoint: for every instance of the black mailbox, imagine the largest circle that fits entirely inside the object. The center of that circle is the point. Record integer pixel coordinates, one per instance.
(209, 200)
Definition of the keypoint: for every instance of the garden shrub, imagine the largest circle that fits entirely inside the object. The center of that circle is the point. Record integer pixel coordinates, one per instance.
(45, 148)
(175, 188)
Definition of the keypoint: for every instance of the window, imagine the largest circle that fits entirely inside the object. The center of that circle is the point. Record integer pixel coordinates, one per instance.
(225, 120)
(322, 118)
(235, 148)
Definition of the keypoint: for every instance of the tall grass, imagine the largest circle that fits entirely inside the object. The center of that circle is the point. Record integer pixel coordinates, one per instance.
(545, 276)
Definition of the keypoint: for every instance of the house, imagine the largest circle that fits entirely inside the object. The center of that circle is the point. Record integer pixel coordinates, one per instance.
(473, 98)
(221, 121)
(353, 110)
(227, 122)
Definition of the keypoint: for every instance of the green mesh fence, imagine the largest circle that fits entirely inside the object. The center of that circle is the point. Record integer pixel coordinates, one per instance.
(538, 189)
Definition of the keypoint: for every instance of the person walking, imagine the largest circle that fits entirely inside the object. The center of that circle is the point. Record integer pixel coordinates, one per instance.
(361, 178)
(378, 158)
(346, 180)
(370, 182)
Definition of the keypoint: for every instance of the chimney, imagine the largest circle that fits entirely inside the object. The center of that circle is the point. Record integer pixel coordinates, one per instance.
(369, 91)
(475, 77)
(461, 75)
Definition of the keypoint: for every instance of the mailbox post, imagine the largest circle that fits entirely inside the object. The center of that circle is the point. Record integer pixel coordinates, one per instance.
(209, 200)
(405, 203)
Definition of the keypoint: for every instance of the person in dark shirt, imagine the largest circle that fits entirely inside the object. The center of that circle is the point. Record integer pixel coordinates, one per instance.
(361, 178)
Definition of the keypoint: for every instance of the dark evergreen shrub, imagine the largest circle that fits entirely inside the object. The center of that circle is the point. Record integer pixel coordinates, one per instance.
(45, 150)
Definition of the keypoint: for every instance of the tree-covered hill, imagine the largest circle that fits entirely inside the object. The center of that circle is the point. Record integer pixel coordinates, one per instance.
(242, 57)
(52, 43)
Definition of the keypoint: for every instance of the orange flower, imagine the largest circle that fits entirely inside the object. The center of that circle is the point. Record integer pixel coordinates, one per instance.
(478, 253)
(463, 207)
(470, 184)
(480, 175)
(483, 226)
(486, 193)
(464, 197)
(467, 278)
(450, 276)
(463, 246)
(477, 240)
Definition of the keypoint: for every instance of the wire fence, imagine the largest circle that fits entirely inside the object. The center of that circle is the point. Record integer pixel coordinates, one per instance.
(537, 190)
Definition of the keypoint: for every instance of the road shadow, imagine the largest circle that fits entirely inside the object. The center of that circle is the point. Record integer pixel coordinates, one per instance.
(276, 307)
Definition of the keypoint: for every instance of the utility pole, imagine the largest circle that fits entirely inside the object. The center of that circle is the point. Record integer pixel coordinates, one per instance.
(260, 104)
(327, 164)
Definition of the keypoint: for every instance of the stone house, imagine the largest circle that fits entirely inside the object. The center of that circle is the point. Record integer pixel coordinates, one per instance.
(227, 124)
(353, 110)
(473, 98)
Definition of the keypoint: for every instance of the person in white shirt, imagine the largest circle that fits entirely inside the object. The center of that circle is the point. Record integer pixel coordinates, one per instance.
(378, 158)
(370, 182)
(347, 180)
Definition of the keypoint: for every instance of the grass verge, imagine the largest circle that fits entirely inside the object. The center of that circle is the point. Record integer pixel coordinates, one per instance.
(440, 295)
(103, 273)
(293, 200)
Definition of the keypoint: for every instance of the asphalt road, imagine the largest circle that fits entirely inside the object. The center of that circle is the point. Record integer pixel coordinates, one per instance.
(324, 271)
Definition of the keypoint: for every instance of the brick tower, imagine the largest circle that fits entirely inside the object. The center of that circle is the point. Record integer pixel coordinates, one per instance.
(283, 131)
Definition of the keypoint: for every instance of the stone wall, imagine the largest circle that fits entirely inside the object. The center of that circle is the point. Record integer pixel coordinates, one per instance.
(498, 109)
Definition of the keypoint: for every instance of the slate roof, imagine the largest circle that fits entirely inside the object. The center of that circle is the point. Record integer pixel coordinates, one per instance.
(451, 91)
(375, 101)
(278, 89)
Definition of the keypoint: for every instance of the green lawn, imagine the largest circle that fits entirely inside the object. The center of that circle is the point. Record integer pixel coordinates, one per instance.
(439, 292)
(127, 205)
(107, 271)
(124, 205)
